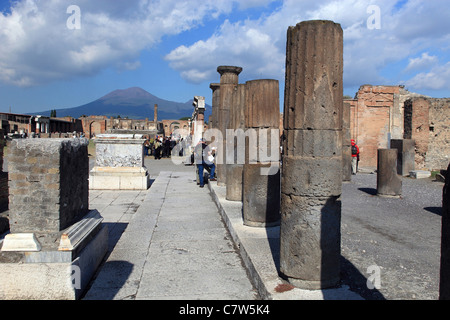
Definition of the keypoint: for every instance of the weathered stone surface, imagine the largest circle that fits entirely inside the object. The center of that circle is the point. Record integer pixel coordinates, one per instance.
(261, 197)
(388, 181)
(233, 149)
(444, 284)
(312, 162)
(48, 183)
(215, 87)
(315, 177)
(261, 97)
(313, 99)
(405, 155)
(310, 240)
(229, 78)
(119, 163)
(346, 144)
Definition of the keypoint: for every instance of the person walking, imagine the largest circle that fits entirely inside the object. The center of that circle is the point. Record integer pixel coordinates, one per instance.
(355, 157)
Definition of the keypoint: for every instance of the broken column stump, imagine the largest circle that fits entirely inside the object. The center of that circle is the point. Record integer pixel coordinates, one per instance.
(389, 183)
(56, 243)
(311, 180)
(261, 189)
(405, 155)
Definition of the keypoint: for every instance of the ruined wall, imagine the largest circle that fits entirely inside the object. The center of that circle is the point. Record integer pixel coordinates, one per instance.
(438, 155)
(381, 113)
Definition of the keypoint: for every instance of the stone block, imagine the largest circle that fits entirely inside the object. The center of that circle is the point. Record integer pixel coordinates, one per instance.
(316, 177)
(405, 156)
(419, 174)
(48, 195)
(310, 250)
(389, 183)
(119, 163)
(313, 143)
(261, 197)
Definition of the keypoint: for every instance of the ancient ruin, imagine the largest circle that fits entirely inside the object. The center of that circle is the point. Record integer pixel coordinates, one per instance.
(55, 242)
(119, 163)
(312, 161)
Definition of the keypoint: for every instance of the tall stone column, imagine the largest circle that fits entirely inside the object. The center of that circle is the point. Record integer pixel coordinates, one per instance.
(388, 181)
(261, 192)
(229, 78)
(235, 155)
(215, 87)
(311, 180)
(155, 116)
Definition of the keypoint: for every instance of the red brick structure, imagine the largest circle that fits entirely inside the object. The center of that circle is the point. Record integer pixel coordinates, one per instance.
(382, 113)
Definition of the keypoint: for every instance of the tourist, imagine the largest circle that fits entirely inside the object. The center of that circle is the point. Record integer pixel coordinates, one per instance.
(355, 157)
(158, 147)
(201, 154)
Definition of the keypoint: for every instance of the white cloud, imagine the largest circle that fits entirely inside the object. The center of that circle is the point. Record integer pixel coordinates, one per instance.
(37, 46)
(437, 78)
(423, 62)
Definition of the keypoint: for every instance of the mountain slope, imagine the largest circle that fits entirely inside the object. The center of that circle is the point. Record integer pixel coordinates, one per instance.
(134, 103)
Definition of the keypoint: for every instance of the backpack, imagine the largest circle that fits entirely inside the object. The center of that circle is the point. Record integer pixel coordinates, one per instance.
(354, 150)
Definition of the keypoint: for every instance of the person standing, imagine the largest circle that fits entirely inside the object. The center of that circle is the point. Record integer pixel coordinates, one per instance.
(201, 158)
(355, 157)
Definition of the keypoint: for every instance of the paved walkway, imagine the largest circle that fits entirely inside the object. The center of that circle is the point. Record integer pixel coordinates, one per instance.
(168, 242)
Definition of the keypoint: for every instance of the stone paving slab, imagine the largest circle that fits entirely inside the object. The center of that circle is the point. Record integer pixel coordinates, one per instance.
(173, 247)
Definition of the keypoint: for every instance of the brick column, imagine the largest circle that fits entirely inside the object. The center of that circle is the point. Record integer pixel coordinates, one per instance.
(261, 192)
(312, 162)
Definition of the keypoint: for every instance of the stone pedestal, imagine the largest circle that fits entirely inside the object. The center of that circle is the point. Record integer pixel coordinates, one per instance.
(119, 163)
(405, 155)
(56, 243)
(311, 180)
(444, 284)
(229, 78)
(261, 191)
(389, 183)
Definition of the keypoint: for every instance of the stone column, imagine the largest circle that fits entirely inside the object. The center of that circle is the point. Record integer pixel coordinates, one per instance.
(311, 180)
(388, 181)
(229, 78)
(261, 192)
(346, 144)
(235, 146)
(155, 116)
(215, 87)
(444, 284)
(405, 156)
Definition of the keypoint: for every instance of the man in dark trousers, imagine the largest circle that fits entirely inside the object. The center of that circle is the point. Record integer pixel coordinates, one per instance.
(201, 153)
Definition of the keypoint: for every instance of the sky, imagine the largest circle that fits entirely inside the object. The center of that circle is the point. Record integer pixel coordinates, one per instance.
(57, 54)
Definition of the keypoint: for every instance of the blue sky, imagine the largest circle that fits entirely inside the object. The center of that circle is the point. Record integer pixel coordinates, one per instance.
(172, 48)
